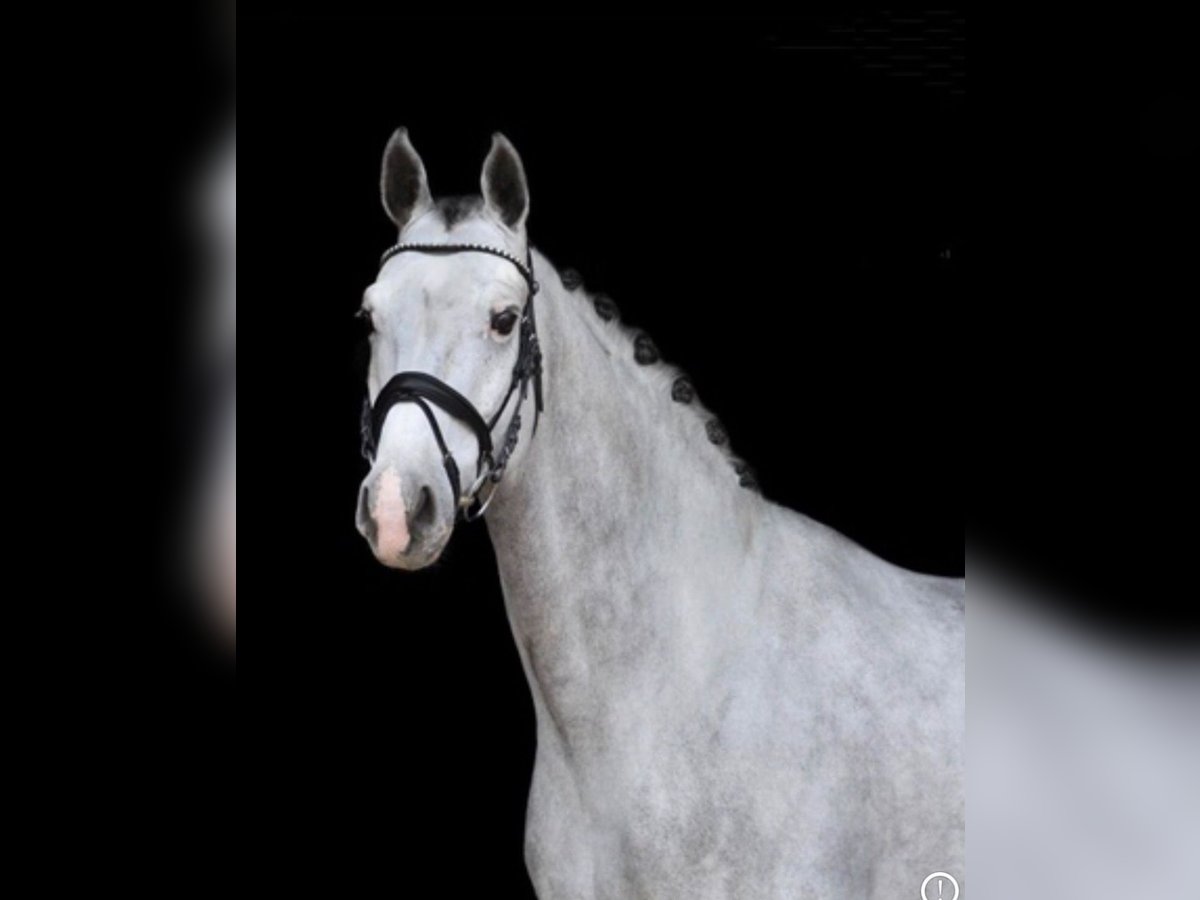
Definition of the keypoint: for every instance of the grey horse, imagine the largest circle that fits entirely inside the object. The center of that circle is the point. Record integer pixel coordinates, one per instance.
(732, 700)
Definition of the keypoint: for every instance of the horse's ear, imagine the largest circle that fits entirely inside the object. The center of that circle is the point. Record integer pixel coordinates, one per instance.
(503, 181)
(402, 184)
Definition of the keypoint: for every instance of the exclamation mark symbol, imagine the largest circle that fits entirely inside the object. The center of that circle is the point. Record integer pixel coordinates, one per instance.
(943, 878)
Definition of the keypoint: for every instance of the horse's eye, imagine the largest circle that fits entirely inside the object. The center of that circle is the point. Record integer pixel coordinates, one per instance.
(366, 320)
(503, 322)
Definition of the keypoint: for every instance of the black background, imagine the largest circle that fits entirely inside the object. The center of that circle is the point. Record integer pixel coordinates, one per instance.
(773, 217)
(784, 221)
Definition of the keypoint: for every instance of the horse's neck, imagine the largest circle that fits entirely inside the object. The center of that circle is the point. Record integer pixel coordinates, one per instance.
(622, 536)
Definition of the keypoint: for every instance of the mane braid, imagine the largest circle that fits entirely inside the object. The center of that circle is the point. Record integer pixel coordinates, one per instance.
(622, 339)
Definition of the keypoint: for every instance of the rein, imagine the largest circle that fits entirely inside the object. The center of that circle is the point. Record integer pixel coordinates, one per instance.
(424, 389)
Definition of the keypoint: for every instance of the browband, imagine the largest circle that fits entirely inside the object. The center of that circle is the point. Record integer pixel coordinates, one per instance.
(525, 268)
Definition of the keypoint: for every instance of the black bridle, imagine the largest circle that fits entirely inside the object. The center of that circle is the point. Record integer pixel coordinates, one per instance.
(423, 389)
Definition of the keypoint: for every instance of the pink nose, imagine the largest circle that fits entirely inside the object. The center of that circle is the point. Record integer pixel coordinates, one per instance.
(390, 516)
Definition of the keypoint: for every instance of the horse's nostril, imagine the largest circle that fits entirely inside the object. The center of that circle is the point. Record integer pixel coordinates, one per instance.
(422, 514)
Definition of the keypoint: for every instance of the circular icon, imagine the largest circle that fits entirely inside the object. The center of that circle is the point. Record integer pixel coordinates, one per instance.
(940, 886)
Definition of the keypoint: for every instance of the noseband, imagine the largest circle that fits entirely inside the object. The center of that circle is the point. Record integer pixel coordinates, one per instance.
(423, 389)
